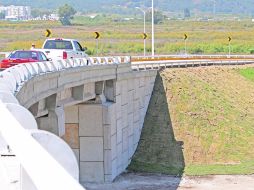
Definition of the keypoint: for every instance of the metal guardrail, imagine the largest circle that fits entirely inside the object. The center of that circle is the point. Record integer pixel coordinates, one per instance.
(43, 170)
(190, 56)
(156, 64)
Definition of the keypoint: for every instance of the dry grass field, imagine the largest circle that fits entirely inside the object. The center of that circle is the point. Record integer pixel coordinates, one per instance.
(199, 121)
(126, 37)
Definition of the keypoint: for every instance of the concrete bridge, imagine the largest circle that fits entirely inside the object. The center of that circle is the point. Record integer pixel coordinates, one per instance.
(97, 109)
(76, 120)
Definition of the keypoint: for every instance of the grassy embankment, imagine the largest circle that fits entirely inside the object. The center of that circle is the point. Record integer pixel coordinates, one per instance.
(126, 37)
(200, 121)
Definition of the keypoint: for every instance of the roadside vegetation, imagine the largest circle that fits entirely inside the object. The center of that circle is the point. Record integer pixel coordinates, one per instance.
(119, 36)
(200, 121)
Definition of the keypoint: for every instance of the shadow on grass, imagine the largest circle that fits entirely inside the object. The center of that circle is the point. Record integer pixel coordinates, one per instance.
(158, 151)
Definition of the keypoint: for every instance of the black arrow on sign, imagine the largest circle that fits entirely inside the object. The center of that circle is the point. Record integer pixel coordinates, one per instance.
(47, 33)
(229, 38)
(185, 36)
(97, 35)
(144, 36)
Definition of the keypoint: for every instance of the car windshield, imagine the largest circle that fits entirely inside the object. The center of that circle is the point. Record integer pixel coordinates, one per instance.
(58, 44)
(23, 55)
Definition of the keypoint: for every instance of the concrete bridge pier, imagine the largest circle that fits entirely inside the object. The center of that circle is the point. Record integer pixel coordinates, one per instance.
(88, 133)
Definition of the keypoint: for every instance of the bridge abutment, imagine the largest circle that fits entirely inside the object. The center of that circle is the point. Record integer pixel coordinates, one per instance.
(98, 111)
(104, 134)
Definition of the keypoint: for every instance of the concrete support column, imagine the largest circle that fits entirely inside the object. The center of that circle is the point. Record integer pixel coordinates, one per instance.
(54, 120)
(89, 132)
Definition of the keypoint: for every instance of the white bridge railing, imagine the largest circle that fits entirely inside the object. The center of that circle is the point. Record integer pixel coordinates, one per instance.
(192, 56)
(44, 171)
(158, 64)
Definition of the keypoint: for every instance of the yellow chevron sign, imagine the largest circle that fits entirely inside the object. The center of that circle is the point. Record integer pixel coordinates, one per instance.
(97, 35)
(48, 33)
(144, 36)
(185, 36)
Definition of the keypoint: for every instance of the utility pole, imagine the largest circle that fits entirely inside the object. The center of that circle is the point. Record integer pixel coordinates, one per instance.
(214, 9)
(144, 12)
(152, 29)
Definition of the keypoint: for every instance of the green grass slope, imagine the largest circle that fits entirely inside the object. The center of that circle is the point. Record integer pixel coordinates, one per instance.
(200, 121)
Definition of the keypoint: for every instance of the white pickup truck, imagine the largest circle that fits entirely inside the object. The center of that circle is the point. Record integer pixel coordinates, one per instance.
(59, 48)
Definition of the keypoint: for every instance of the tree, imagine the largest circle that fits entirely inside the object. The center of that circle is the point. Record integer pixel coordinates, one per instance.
(40, 12)
(66, 13)
(2, 15)
(158, 16)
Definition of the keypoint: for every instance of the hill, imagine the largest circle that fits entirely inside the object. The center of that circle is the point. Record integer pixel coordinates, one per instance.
(199, 121)
(221, 6)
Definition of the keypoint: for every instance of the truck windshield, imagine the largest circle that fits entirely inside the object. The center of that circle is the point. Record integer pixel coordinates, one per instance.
(58, 44)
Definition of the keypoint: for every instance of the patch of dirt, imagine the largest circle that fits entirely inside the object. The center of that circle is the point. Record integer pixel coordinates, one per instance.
(139, 181)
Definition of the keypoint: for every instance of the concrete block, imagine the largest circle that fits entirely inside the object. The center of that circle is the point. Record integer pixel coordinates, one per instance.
(136, 135)
(120, 169)
(45, 85)
(77, 92)
(118, 107)
(90, 120)
(76, 152)
(49, 123)
(109, 90)
(124, 113)
(119, 131)
(107, 162)
(113, 119)
(125, 159)
(89, 90)
(142, 98)
(63, 95)
(91, 149)
(124, 95)
(108, 113)
(136, 89)
(130, 124)
(130, 84)
(125, 139)
(136, 114)
(114, 168)
(113, 147)
(147, 101)
(66, 79)
(91, 172)
(130, 148)
(119, 155)
(118, 87)
(130, 101)
(71, 114)
(108, 178)
(71, 135)
(141, 81)
(107, 137)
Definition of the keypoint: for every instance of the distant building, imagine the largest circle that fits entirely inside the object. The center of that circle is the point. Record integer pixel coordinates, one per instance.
(16, 12)
(53, 17)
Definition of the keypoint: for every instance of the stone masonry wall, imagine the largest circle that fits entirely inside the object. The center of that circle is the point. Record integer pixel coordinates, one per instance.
(105, 136)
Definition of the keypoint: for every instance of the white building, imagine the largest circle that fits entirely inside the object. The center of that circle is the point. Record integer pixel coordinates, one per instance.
(16, 12)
